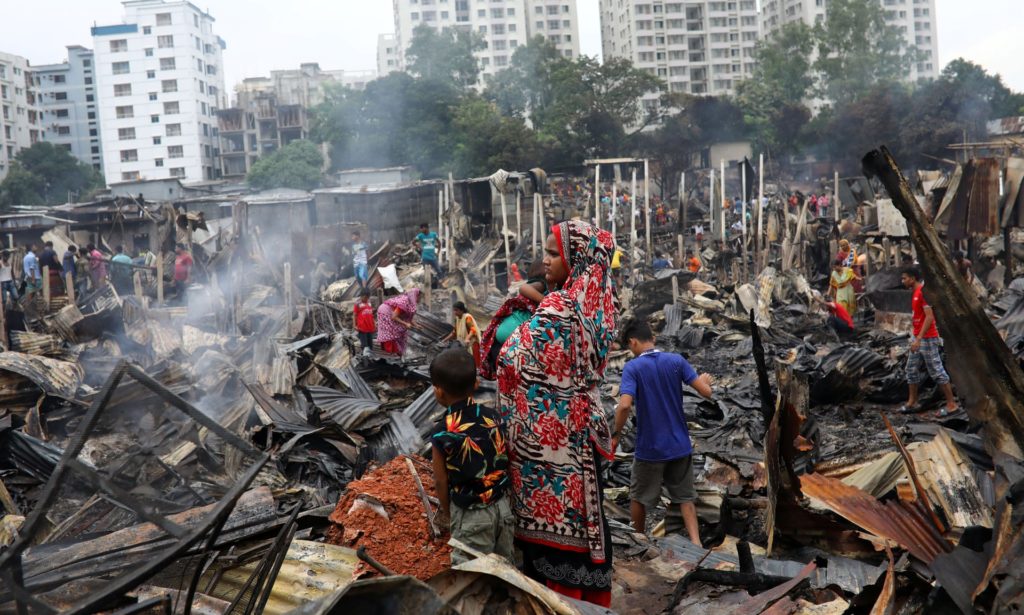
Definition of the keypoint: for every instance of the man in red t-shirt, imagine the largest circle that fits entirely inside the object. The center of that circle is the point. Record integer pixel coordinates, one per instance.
(182, 271)
(365, 324)
(925, 347)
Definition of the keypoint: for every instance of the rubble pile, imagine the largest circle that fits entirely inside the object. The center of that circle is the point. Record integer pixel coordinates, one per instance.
(383, 513)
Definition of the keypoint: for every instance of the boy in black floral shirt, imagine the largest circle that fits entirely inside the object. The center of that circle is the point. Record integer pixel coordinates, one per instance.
(470, 460)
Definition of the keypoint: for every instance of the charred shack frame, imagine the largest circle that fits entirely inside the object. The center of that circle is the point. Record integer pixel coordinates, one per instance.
(11, 567)
(984, 371)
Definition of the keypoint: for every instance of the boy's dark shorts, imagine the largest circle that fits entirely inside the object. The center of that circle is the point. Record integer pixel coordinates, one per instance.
(649, 477)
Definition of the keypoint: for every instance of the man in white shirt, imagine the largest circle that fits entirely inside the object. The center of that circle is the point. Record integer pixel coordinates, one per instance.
(30, 267)
(7, 287)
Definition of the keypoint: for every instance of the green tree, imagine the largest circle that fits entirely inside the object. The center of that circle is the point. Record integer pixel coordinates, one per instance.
(445, 55)
(44, 174)
(855, 127)
(296, 165)
(526, 86)
(485, 140)
(772, 99)
(858, 49)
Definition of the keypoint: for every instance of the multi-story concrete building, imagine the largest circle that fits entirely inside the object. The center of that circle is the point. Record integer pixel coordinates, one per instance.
(21, 123)
(503, 24)
(256, 127)
(387, 54)
(67, 96)
(701, 47)
(159, 83)
(915, 19)
(302, 86)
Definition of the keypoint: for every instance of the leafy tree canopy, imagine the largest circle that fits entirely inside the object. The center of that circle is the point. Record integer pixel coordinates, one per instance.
(44, 174)
(445, 55)
(296, 165)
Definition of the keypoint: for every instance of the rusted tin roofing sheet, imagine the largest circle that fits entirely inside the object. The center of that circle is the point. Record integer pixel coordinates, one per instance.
(58, 378)
(901, 523)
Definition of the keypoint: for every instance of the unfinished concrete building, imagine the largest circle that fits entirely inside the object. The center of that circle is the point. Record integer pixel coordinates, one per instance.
(259, 128)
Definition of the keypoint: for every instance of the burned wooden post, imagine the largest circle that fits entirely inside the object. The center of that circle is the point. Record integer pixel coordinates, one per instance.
(985, 373)
(46, 289)
(69, 283)
(137, 284)
(160, 278)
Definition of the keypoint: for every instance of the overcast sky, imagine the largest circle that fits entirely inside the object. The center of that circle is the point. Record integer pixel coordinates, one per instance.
(342, 34)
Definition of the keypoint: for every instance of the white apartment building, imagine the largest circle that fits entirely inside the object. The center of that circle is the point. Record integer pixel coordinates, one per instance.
(20, 121)
(387, 54)
(703, 48)
(67, 100)
(159, 83)
(915, 19)
(503, 24)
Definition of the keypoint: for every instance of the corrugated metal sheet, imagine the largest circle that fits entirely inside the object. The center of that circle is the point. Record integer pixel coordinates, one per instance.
(673, 319)
(482, 254)
(424, 412)
(902, 523)
(350, 413)
(971, 204)
(310, 571)
(36, 343)
(58, 378)
(398, 437)
(355, 383)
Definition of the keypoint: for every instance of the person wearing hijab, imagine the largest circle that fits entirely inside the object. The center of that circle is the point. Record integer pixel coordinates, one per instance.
(394, 319)
(549, 370)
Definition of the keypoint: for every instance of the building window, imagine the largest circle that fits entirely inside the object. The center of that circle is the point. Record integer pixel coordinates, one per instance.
(165, 41)
(129, 155)
(154, 119)
(152, 96)
(163, 19)
(150, 74)
(171, 108)
(63, 130)
(169, 85)
(88, 81)
(175, 151)
(119, 45)
(159, 162)
(61, 112)
(87, 63)
(123, 89)
(60, 95)
(167, 64)
(124, 134)
(129, 176)
(177, 171)
(149, 52)
(173, 130)
(156, 140)
(93, 132)
(147, 30)
(124, 112)
(59, 79)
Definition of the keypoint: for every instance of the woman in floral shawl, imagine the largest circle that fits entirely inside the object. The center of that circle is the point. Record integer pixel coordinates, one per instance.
(394, 319)
(548, 374)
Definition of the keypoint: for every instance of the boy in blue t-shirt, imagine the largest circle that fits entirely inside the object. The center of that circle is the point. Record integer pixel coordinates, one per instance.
(429, 243)
(654, 379)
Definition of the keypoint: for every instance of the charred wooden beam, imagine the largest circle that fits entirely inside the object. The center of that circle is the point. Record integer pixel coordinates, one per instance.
(984, 371)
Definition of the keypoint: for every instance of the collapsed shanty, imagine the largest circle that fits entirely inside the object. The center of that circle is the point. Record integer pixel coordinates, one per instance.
(237, 454)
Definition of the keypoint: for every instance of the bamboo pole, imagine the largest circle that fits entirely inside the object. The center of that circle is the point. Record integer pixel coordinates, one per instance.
(160, 278)
(597, 194)
(675, 289)
(711, 203)
(440, 220)
(504, 230)
(537, 214)
(46, 288)
(721, 201)
(680, 252)
(632, 220)
(69, 282)
(519, 216)
(683, 202)
(615, 203)
(743, 216)
(428, 273)
(137, 284)
(288, 295)
(3, 323)
(762, 241)
(835, 195)
(647, 206)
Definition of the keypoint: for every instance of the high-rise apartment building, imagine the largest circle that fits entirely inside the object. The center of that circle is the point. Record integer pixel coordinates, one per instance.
(67, 100)
(21, 123)
(699, 48)
(503, 24)
(915, 19)
(159, 83)
(387, 54)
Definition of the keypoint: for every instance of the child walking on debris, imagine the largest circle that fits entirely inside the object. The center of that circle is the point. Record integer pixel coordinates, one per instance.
(663, 454)
(924, 349)
(470, 461)
(365, 325)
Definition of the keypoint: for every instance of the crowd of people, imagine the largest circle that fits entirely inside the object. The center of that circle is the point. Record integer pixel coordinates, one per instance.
(86, 269)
